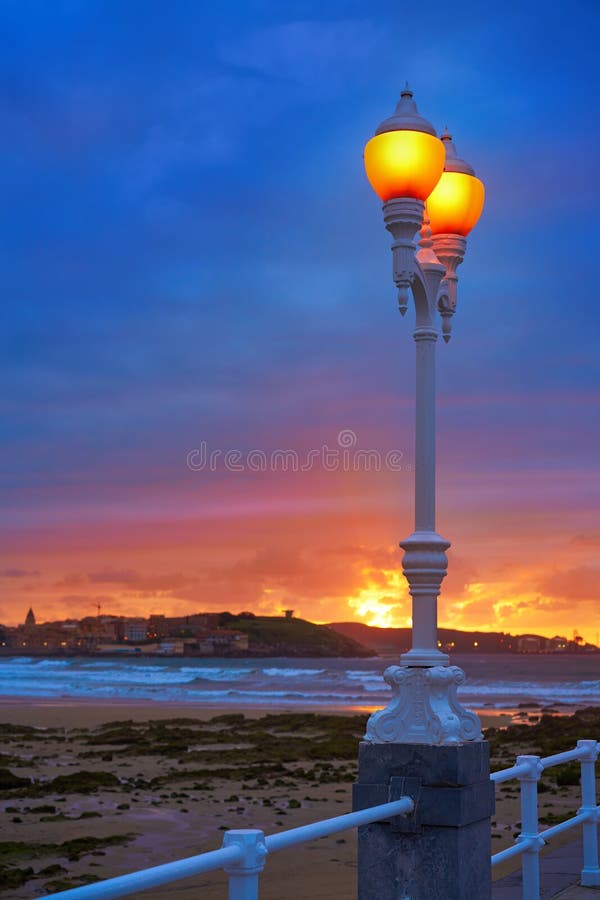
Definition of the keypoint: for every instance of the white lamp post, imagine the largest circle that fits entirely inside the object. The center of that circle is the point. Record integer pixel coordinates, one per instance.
(424, 187)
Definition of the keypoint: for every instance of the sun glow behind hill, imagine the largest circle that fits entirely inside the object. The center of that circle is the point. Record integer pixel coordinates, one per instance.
(384, 601)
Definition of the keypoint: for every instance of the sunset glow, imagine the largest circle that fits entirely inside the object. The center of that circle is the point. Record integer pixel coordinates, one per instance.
(193, 256)
(384, 602)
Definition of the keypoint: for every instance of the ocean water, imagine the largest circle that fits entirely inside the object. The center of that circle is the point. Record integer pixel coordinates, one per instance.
(494, 682)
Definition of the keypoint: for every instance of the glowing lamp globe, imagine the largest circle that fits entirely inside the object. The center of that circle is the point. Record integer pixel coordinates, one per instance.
(455, 204)
(405, 158)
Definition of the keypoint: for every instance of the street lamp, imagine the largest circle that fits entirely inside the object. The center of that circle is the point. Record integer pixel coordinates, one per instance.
(425, 187)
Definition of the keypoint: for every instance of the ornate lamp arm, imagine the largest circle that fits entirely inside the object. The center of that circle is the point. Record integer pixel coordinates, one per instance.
(403, 217)
(450, 250)
(430, 272)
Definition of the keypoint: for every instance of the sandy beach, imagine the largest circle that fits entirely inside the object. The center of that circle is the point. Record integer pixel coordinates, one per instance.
(91, 790)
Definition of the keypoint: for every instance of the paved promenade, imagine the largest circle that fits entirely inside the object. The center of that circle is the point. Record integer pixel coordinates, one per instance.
(560, 871)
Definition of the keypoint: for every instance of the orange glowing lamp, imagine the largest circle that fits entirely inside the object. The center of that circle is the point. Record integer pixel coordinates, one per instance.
(405, 158)
(455, 204)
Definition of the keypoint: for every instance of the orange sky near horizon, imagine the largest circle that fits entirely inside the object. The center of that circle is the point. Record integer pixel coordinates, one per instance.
(320, 543)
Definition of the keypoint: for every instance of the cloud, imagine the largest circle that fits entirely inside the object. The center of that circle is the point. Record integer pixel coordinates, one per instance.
(154, 583)
(18, 573)
(589, 539)
(80, 605)
(303, 573)
(113, 576)
(72, 579)
(580, 583)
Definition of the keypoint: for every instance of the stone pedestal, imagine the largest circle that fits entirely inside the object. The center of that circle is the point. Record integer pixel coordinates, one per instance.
(442, 850)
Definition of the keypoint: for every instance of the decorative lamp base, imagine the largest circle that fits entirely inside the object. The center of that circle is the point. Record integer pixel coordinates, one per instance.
(424, 709)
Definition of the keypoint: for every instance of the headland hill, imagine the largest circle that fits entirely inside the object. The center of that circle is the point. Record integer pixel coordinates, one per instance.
(246, 635)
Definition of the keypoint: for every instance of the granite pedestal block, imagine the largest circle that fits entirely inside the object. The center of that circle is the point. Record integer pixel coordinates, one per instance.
(442, 850)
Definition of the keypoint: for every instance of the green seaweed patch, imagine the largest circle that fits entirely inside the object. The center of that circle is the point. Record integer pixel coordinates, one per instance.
(289, 737)
(7, 760)
(121, 735)
(54, 869)
(82, 782)
(568, 774)
(63, 884)
(230, 719)
(12, 877)
(18, 731)
(12, 732)
(9, 781)
(555, 818)
(61, 817)
(147, 739)
(552, 734)
(73, 850)
(314, 722)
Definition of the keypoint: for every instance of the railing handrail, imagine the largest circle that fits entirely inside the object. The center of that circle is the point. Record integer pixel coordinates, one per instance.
(546, 762)
(508, 774)
(325, 827)
(528, 770)
(226, 856)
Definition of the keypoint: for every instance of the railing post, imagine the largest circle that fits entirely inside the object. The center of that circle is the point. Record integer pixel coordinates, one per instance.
(243, 875)
(530, 861)
(590, 874)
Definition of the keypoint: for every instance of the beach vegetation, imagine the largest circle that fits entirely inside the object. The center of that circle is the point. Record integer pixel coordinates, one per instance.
(13, 877)
(9, 781)
(64, 884)
(13, 852)
(567, 775)
(79, 783)
(553, 818)
(53, 869)
(73, 850)
(552, 734)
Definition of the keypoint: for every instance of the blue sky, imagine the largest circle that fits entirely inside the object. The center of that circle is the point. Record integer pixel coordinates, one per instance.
(190, 250)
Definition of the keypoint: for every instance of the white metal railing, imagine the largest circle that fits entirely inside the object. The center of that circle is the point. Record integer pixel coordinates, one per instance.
(242, 856)
(530, 841)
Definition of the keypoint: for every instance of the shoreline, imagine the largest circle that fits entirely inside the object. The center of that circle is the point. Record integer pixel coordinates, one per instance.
(70, 711)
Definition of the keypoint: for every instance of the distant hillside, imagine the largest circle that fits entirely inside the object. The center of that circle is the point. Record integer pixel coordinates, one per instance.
(394, 640)
(279, 636)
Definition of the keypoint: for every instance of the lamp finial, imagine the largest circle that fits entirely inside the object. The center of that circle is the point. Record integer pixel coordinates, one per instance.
(453, 162)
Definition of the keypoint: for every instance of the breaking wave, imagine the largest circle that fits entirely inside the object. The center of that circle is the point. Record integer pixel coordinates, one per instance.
(319, 683)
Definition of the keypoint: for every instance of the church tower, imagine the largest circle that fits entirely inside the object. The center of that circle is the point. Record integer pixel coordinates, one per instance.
(30, 619)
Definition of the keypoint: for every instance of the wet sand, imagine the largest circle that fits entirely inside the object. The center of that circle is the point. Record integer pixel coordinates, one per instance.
(73, 713)
(163, 781)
